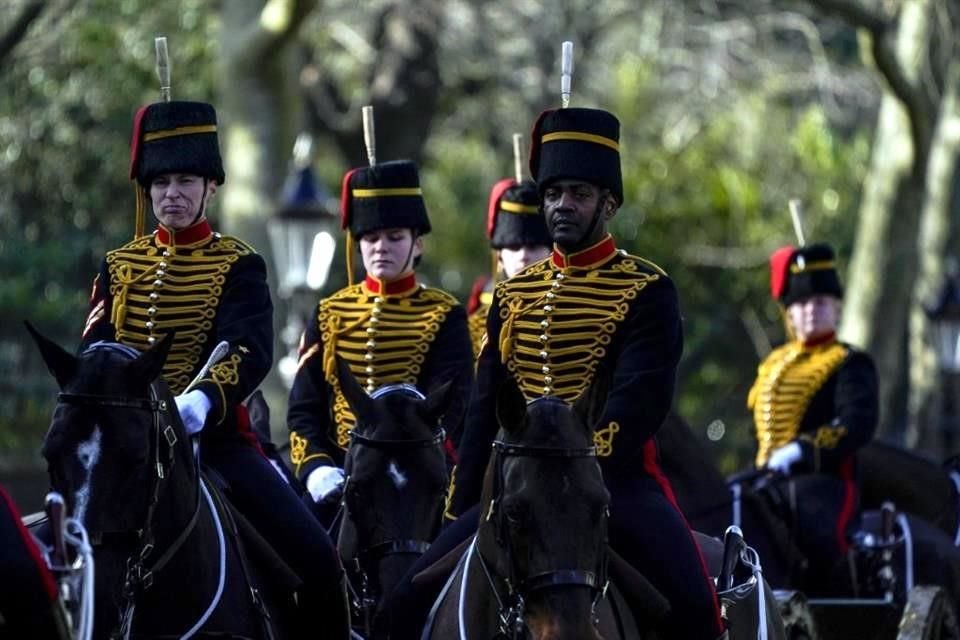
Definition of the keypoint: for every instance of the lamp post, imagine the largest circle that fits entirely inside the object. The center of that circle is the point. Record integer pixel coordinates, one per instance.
(944, 314)
(303, 237)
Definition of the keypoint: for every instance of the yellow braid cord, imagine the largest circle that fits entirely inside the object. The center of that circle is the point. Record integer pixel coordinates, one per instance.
(349, 249)
(515, 308)
(140, 219)
(330, 348)
(603, 439)
(118, 312)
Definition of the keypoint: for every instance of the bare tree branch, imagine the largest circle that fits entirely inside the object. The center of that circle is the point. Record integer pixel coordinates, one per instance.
(884, 54)
(18, 30)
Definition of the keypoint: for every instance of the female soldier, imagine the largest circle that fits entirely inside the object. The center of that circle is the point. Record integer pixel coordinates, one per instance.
(389, 328)
(814, 404)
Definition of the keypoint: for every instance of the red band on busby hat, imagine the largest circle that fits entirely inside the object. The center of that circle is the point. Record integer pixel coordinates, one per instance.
(493, 206)
(779, 267)
(135, 140)
(345, 199)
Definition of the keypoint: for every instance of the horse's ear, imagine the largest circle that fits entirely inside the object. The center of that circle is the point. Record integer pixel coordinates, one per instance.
(61, 364)
(511, 405)
(149, 365)
(591, 403)
(358, 399)
(438, 400)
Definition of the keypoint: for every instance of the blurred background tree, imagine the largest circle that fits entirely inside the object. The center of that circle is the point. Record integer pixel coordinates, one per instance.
(728, 109)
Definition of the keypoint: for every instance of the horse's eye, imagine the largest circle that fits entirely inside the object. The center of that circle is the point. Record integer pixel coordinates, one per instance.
(516, 515)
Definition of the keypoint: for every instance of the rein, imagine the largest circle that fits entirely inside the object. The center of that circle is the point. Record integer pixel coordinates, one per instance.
(140, 573)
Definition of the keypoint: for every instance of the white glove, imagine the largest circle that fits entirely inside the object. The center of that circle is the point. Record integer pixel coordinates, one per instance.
(323, 481)
(193, 407)
(786, 456)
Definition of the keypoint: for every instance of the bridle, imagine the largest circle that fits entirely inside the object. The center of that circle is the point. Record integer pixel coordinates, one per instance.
(369, 557)
(140, 570)
(520, 588)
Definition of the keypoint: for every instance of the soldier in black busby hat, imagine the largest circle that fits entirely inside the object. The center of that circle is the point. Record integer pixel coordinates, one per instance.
(390, 328)
(209, 290)
(814, 404)
(590, 313)
(518, 238)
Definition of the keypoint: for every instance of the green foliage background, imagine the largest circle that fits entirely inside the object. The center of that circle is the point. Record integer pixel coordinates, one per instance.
(706, 190)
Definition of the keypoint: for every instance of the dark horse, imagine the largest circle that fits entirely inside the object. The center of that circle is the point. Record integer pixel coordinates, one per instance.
(537, 567)
(118, 453)
(396, 479)
(706, 498)
(914, 482)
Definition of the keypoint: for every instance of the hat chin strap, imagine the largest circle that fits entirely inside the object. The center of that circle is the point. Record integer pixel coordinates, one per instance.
(594, 221)
(203, 203)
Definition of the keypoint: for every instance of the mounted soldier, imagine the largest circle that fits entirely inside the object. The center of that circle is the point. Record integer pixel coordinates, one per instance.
(589, 314)
(389, 328)
(518, 238)
(814, 404)
(210, 291)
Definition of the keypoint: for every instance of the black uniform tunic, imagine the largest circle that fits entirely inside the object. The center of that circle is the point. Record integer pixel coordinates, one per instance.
(556, 327)
(208, 288)
(389, 333)
(824, 397)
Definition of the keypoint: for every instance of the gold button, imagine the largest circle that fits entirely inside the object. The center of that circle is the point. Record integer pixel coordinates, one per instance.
(560, 276)
(551, 295)
(166, 254)
(368, 357)
(158, 283)
(371, 344)
(369, 382)
(377, 300)
(160, 273)
(154, 296)
(151, 311)
(548, 379)
(149, 324)
(544, 355)
(548, 308)
(370, 370)
(545, 369)
(163, 265)
(544, 337)
(546, 391)
(151, 339)
(544, 324)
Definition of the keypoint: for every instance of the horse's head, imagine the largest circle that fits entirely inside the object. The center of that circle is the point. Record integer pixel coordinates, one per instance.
(107, 434)
(397, 471)
(545, 510)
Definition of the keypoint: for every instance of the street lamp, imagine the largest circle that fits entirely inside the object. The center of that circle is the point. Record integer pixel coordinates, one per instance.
(303, 230)
(303, 237)
(944, 315)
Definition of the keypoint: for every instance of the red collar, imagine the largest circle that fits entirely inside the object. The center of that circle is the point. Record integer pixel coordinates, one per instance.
(191, 235)
(400, 286)
(592, 256)
(824, 339)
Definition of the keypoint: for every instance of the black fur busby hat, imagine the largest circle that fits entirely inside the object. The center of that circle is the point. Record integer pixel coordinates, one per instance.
(383, 196)
(175, 137)
(796, 274)
(513, 215)
(577, 144)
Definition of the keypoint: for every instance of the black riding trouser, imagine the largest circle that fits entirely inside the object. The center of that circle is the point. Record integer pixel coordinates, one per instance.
(275, 510)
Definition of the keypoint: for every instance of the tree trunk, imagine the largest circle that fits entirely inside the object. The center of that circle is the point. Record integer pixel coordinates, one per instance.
(938, 226)
(260, 115)
(884, 262)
